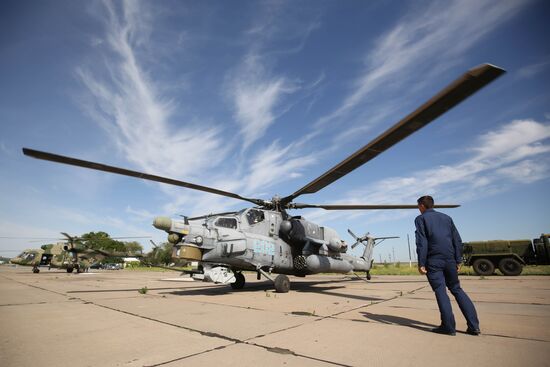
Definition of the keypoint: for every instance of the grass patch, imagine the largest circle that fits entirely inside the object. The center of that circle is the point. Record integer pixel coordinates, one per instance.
(404, 269)
(156, 268)
(377, 269)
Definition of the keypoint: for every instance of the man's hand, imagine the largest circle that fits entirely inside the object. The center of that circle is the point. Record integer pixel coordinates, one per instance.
(422, 270)
(458, 266)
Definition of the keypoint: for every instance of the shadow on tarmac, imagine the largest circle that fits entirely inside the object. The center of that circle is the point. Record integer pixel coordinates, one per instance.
(398, 320)
(319, 287)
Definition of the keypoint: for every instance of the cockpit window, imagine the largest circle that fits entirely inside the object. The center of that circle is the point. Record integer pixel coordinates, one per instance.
(27, 256)
(226, 223)
(254, 216)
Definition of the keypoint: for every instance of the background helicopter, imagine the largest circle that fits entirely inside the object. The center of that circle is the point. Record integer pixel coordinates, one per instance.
(72, 254)
(266, 238)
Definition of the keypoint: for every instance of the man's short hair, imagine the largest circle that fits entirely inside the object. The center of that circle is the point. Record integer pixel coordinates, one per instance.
(427, 201)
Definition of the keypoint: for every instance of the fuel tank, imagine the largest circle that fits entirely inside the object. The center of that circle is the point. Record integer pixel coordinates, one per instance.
(325, 264)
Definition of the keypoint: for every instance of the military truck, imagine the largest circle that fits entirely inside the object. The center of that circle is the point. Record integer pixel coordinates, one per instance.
(508, 256)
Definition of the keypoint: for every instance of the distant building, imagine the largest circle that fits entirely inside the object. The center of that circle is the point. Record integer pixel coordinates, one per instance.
(130, 260)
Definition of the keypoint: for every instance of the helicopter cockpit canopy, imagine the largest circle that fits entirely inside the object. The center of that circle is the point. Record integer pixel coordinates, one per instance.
(226, 222)
(254, 216)
(28, 256)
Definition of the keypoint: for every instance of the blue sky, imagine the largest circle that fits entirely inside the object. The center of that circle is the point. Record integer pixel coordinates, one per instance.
(259, 98)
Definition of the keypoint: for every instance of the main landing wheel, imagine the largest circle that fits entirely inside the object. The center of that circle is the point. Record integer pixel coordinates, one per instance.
(483, 267)
(70, 269)
(368, 275)
(509, 266)
(35, 270)
(282, 284)
(239, 282)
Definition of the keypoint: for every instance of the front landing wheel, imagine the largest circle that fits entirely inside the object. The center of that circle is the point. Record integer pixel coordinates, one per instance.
(282, 284)
(239, 281)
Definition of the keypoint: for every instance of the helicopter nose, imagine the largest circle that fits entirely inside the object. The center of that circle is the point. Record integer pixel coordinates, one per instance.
(162, 223)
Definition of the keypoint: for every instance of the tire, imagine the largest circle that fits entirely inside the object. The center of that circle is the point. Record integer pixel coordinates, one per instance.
(368, 275)
(35, 270)
(239, 281)
(483, 267)
(510, 266)
(282, 284)
(70, 269)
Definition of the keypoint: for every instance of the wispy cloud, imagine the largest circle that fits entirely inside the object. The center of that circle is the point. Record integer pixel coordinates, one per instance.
(276, 164)
(136, 116)
(498, 159)
(495, 153)
(139, 115)
(256, 95)
(139, 214)
(4, 149)
(256, 92)
(531, 70)
(420, 40)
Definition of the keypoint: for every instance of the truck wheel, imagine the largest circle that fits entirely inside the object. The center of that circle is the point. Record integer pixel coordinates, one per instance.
(484, 267)
(282, 284)
(509, 266)
(239, 281)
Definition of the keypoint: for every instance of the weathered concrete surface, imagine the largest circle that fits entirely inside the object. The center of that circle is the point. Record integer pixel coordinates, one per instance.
(100, 319)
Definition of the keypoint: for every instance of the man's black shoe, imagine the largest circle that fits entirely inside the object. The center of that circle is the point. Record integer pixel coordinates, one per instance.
(473, 331)
(441, 330)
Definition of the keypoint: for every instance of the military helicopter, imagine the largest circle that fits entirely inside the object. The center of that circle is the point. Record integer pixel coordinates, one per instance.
(72, 254)
(265, 238)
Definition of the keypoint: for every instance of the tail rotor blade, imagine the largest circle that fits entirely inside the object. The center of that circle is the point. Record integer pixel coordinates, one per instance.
(353, 234)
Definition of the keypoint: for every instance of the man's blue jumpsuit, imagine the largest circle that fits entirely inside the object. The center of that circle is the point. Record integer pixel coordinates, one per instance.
(439, 249)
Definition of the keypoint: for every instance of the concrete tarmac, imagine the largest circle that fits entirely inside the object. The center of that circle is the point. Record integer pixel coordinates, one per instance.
(100, 319)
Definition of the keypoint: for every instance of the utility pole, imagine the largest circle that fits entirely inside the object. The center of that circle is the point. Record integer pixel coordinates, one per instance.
(410, 259)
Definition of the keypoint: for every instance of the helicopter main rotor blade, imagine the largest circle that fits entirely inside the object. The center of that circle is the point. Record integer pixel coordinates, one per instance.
(122, 238)
(32, 238)
(68, 237)
(211, 215)
(126, 172)
(463, 87)
(363, 207)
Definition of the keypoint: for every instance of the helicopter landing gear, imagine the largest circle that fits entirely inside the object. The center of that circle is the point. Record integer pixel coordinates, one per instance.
(282, 284)
(239, 281)
(35, 270)
(368, 275)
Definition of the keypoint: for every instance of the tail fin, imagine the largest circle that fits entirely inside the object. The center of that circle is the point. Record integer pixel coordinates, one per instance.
(369, 242)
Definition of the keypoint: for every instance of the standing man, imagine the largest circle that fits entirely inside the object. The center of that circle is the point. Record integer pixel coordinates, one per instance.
(439, 250)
